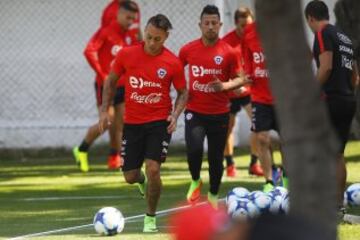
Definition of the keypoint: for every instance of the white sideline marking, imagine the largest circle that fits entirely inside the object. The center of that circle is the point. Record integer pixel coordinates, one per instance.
(352, 219)
(83, 198)
(127, 219)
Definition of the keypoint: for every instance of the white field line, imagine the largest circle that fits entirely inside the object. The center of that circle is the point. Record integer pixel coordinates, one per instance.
(127, 219)
(82, 198)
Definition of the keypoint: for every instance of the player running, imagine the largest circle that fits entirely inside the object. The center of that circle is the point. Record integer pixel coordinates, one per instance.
(214, 69)
(338, 74)
(240, 98)
(262, 102)
(110, 14)
(100, 52)
(147, 71)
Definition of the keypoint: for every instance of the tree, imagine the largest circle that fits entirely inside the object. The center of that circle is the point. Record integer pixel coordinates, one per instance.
(309, 143)
(348, 19)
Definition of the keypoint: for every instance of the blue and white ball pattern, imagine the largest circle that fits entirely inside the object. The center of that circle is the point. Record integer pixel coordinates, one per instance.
(352, 194)
(236, 193)
(109, 221)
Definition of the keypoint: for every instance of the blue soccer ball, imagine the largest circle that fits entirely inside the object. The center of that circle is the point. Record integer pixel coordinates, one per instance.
(109, 221)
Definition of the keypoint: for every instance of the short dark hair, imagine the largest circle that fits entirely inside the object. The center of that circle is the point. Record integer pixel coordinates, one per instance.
(129, 5)
(160, 21)
(317, 9)
(243, 12)
(210, 10)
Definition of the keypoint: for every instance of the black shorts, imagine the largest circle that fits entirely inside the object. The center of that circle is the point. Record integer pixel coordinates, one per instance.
(237, 103)
(144, 141)
(341, 111)
(119, 95)
(263, 117)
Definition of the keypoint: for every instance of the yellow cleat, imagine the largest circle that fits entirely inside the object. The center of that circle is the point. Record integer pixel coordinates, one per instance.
(213, 200)
(81, 159)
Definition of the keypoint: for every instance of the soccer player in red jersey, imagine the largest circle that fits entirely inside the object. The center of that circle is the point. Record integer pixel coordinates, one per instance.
(110, 14)
(214, 69)
(147, 71)
(100, 52)
(240, 98)
(263, 118)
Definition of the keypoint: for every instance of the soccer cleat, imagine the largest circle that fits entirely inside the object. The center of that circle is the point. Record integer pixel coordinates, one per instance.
(276, 174)
(81, 159)
(256, 169)
(193, 194)
(285, 182)
(231, 170)
(268, 187)
(76, 154)
(150, 225)
(115, 162)
(213, 200)
(142, 186)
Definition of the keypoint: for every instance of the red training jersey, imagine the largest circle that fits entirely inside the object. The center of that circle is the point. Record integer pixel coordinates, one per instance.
(206, 63)
(110, 13)
(103, 47)
(147, 82)
(255, 66)
(236, 41)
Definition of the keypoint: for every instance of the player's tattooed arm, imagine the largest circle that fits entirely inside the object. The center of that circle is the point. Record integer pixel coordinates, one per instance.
(107, 99)
(180, 103)
(232, 84)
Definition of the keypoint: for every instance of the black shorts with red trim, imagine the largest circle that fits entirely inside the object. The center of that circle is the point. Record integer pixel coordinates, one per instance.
(118, 98)
(263, 117)
(144, 141)
(236, 104)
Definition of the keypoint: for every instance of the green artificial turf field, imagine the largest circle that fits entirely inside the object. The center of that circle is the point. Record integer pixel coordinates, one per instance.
(48, 193)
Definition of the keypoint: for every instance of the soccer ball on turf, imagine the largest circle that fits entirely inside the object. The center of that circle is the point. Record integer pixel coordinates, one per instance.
(275, 204)
(109, 221)
(285, 204)
(242, 209)
(235, 194)
(261, 200)
(353, 194)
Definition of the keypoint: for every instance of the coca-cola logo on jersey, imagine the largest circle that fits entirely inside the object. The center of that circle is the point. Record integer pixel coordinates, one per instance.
(261, 73)
(151, 98)
(141, 83)
(202, 87)
(200, 71)
(115, 49)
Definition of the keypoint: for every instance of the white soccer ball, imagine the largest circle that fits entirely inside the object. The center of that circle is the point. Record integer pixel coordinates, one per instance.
(242, 209)
(285, 204)
(280, 191)
(109, 221)
(353, 194)
(275, 204)
(261, 200)
(235, 194)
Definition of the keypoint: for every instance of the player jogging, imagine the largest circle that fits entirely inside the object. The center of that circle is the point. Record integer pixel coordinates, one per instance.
(263, 112)
(100, 52)
(147, 71)
(214, 69)
(240, 98)
(110, 14)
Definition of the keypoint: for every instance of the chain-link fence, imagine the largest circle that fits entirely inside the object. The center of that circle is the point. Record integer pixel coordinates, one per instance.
(47, 96)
